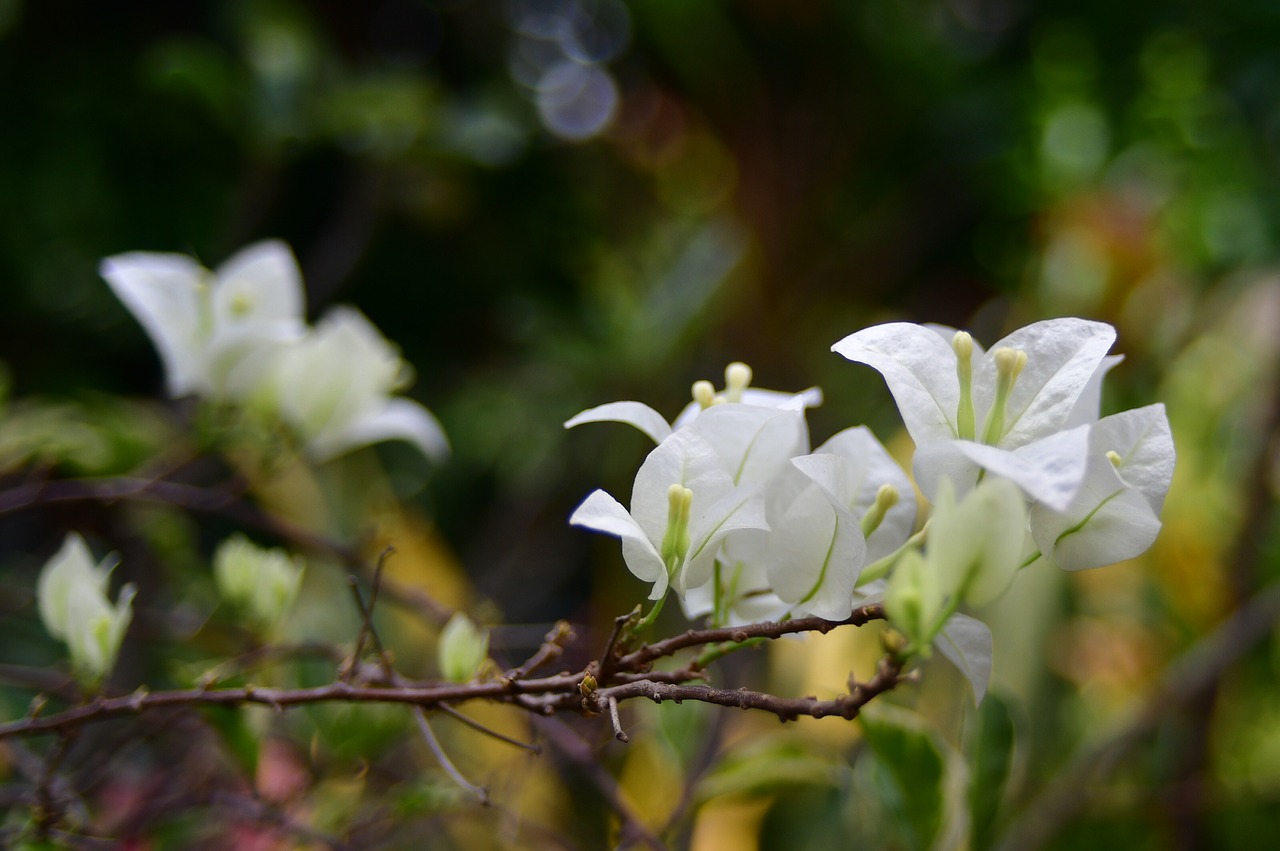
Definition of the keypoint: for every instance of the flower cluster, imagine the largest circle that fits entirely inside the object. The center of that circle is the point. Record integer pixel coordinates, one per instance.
(238, 335)
(735, 513)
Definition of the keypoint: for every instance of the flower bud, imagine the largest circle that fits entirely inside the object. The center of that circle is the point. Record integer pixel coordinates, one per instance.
(261, 582)
(71, 595)
(463, 648)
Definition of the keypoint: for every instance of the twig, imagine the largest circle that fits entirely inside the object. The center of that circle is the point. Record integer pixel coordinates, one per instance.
(699, 637)
(631, 679)
(480, 728)
(424, 727)
(618, 732)
(607, 662)
(552, 648)
(572, 747)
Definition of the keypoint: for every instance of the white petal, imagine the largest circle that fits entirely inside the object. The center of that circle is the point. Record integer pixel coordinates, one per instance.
(1116, 527)
(603, 513)
(162, 291)
(741, 509)
(966, 642)
(1089, 406)
(260, 282)
(1063, 355)
(815, 554)
(867, 467)
(920, 369)
(1049, 470)
(685, 459)
(636, 414)
(399, 419)
(1144, 443)
(754, 444)
(944, 459)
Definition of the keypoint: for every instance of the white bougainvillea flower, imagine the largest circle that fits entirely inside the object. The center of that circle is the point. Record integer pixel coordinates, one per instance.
(737, 390)
(71, 594)
(952, 390)
(335, 386)
(1115, 514)
(1038, 381)
(683, 505)
(213, 330)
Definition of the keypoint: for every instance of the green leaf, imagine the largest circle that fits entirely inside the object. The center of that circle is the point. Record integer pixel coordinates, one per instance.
(770, 764)
(990, 752)
(921, 781)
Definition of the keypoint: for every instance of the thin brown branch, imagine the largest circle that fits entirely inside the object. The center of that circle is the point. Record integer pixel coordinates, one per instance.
(480, 728)
(563, 692)
(552, 648)
(699, 637)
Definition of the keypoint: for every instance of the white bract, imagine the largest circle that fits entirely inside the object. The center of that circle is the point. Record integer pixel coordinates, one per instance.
(335, 386)
(262, 582)
(737, 377)
(214, 330)
(967, 409)
(684, 503)
(71, 594)
(1116, 513)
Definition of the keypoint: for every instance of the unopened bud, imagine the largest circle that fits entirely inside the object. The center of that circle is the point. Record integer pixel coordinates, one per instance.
(463, 649)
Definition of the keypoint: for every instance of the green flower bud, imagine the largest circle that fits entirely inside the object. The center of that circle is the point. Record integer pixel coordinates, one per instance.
(463, 649)
(71, 594)
(261, 582)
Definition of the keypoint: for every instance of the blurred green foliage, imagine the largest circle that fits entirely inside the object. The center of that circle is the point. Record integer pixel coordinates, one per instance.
(775, 176)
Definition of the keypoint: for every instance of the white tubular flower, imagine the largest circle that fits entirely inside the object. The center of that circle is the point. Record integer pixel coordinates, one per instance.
(214, 330)
(262, 582)
(683, 505)
(335, 388)
(737, 390)
(1115, 514)
(71, 596)
(1033, 384)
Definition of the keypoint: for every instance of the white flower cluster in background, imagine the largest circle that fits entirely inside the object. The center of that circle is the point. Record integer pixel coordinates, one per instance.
(239, 335)
(737, 515)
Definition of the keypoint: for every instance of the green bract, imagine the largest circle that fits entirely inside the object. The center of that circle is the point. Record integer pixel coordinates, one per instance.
(262, 582)
(463, 648)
